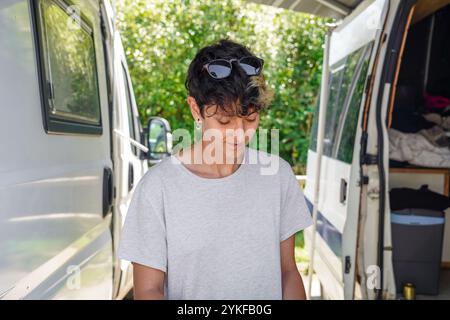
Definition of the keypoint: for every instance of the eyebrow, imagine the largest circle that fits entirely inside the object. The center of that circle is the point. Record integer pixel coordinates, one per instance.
(232, 112)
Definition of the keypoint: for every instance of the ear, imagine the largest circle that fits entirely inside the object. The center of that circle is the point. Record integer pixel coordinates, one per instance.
(195, 110)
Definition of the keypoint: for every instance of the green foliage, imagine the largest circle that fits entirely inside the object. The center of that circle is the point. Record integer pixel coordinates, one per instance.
(162, 37)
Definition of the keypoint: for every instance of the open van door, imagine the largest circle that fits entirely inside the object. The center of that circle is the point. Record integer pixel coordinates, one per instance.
(352, 51)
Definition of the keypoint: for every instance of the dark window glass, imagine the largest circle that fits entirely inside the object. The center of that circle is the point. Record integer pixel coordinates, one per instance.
(349, 117)
(70, 65)
(346, 86)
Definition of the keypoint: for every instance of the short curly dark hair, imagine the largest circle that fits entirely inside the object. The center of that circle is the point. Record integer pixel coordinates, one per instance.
(238, 94)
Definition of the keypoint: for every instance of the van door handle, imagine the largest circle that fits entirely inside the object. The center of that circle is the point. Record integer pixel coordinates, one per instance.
(343, 191)
(107, 190)
(130, 176)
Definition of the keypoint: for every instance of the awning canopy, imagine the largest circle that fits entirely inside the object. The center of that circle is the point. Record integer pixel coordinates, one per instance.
(326, 8)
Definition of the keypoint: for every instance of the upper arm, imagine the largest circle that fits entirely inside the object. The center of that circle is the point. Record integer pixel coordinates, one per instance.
(148, 282)
(287, 254)
(294, 212)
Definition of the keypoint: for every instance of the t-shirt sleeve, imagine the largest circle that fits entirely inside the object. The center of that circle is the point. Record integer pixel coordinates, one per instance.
(294, 215)
(143, 238)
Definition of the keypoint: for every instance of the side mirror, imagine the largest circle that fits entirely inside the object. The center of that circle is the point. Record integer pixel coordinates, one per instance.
(159, 139)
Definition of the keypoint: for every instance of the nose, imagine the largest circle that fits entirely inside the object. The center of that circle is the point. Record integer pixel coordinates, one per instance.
(239, 123)
(237, 132)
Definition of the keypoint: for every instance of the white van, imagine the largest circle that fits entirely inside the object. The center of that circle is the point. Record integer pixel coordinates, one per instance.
(379, 61)
(72, 150)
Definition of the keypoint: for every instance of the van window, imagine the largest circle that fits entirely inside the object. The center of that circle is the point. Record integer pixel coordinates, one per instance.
(346, 87)
(349, 117)
(70, 70)
(131, 118)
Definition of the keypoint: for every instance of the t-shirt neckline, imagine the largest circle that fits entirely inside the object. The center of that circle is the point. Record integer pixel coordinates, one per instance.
(189, 173)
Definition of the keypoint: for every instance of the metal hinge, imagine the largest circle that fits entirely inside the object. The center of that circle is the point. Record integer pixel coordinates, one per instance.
(348, 264)
(364, 180)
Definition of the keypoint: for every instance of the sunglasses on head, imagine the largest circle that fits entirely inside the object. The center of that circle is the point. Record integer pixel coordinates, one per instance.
(221, 68)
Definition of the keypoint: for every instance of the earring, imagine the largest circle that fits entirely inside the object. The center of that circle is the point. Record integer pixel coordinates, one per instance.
(198, 125)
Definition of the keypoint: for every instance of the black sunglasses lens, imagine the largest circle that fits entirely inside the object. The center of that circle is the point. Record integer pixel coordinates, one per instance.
(219, 69)
(252, 66)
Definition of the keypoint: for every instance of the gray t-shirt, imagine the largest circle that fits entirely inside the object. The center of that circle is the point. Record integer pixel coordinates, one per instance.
(215, 238)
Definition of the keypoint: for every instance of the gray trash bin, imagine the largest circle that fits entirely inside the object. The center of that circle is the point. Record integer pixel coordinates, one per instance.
(417, 236)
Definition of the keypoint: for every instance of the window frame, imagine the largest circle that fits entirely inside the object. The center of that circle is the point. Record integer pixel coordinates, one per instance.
(130, 108)
(53, 125)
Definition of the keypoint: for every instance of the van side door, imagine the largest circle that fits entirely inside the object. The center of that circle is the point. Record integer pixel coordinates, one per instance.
(352, 50)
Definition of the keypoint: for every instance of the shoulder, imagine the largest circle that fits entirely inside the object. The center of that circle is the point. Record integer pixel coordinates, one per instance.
(154, 177)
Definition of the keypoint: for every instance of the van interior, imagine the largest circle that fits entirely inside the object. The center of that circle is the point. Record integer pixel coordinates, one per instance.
(419, 152)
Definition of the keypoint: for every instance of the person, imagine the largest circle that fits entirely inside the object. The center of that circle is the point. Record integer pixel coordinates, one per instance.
(217, 219)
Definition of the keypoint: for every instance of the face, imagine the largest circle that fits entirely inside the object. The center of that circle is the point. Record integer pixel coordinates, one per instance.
(234, 132)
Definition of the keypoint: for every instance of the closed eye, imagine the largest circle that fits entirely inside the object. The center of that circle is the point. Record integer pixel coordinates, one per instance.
(252, 117)
(223, 121)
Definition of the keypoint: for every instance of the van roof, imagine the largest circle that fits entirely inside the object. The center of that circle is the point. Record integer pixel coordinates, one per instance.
(337, 9)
